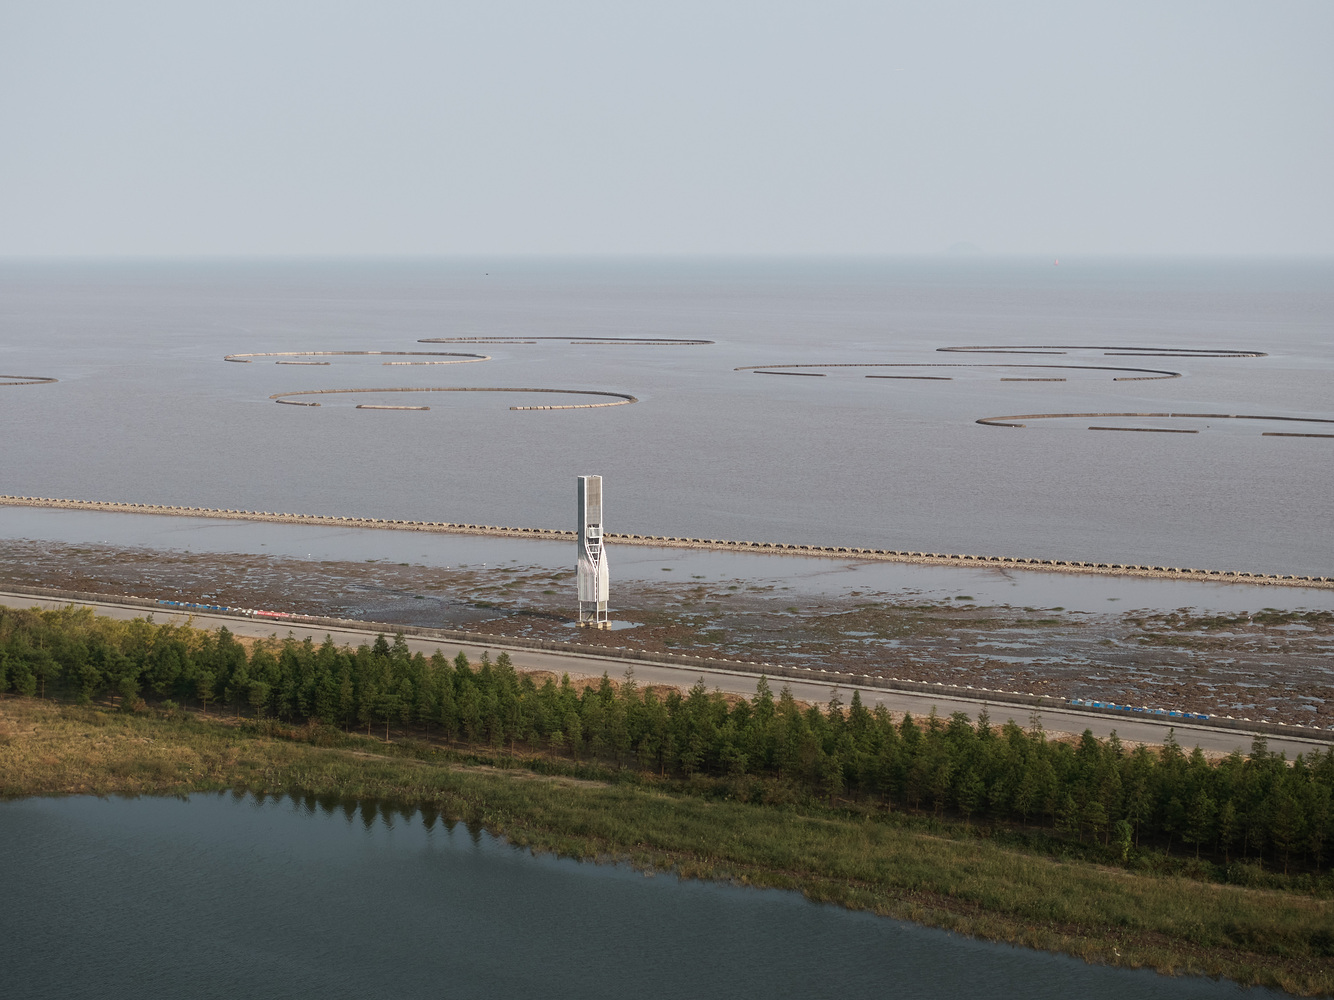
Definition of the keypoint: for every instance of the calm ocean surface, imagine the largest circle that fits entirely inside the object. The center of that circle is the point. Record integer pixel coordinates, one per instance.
(147, 410)
(216, 896)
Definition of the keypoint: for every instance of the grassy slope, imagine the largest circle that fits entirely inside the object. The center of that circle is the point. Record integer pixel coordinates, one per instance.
(901, 869)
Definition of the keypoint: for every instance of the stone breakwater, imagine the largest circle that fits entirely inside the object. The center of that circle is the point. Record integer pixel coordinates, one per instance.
(679, 541)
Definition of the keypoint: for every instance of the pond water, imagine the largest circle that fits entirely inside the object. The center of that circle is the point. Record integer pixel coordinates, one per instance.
(225, 896)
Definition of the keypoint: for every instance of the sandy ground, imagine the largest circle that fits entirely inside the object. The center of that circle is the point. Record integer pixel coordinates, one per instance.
(1275, 666)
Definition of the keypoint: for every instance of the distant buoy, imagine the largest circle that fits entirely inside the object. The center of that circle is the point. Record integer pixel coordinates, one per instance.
(1056, 263)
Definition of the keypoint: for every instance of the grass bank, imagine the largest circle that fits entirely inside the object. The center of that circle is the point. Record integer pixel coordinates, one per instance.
(942, 875)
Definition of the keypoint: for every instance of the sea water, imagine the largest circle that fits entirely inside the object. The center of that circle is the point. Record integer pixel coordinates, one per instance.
(147, 410)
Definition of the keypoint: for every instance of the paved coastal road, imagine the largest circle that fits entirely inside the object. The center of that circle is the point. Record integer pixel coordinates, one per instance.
(730, 681)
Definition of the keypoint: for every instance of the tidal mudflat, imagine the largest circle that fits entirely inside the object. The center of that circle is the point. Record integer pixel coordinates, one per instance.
(1246, 658)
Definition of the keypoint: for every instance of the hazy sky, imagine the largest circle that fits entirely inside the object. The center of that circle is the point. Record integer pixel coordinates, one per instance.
(340, 127)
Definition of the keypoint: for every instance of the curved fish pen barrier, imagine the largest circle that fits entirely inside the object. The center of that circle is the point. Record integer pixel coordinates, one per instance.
(459, 358)
(1124, 352)
(1140, 374)
(1017, 419)
(621, 398)
(573, 341)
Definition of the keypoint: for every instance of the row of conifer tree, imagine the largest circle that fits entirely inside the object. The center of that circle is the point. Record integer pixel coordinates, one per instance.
(1259, 806)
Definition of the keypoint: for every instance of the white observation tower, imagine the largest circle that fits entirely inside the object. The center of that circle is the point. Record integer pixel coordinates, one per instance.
(592, 562)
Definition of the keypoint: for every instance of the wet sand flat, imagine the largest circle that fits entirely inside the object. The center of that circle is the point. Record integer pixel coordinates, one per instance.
(1274, 665)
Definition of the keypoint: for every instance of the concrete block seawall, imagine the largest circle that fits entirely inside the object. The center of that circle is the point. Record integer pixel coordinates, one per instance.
(718, 544)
